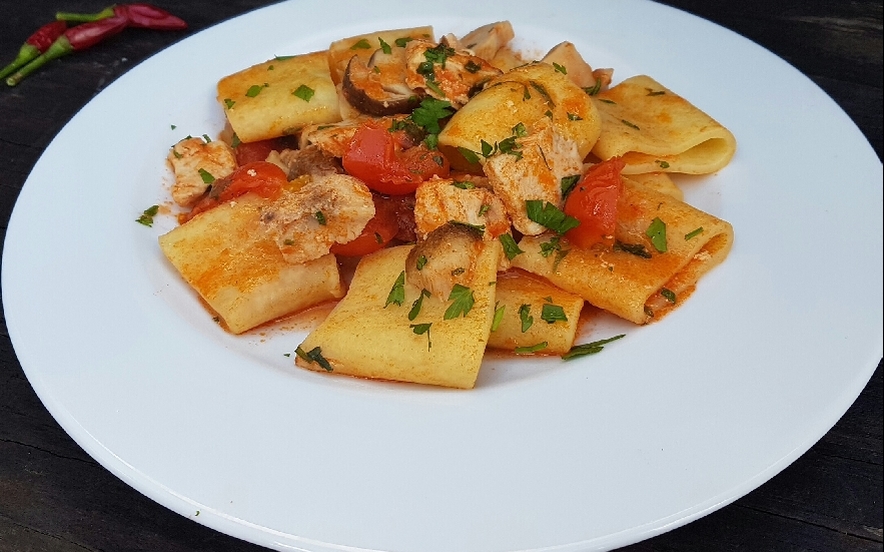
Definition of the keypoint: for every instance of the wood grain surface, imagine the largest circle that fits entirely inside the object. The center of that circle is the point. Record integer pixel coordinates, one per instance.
(55, 498)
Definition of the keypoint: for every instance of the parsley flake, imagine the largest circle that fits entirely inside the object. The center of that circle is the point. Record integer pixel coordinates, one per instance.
(568, 182)
(553, 313)
(637, 249)
(314, 355)
(462, 302)
(254, 90)
(548, 215)
(304, 92)
(397, 292)
(657, 233)
(147, 215)
(206, 176)
(589, 348)
(530, 349)
(498, 316)
(510, 247)
(418, 303)
(693, 233)
(421, 329)
(525, 317)
(361, 45)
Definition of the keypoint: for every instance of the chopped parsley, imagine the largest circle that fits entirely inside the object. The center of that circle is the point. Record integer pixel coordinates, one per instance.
(693, 233)
(657, 233)
(637, 249)
(549, 216)
(594, 89)
(320, 218)
(206, 176)
(314, 355)
(510, 146)
(462, 301)
(629, 124)
(510, 247)
(469, 155)
(525, 317)
(254, 90)
(472, 67)
(548, 247)
(397, 292)
(568, 183)
(418, 303)
(362, 44)
(147, 215)
(498, 316)
(304, 92)
(669, 295)
(428, 114)
(530, 349)
(421, 329)
(386, 48)
(589, 348)
(229, 103)
(421, 262)
(553, 313)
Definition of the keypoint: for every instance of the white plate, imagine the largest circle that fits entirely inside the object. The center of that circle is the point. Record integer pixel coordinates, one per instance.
(666, 425)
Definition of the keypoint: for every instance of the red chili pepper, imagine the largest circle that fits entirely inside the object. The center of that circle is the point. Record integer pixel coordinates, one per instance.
(35, 45)
(73, 39)
(147, 16)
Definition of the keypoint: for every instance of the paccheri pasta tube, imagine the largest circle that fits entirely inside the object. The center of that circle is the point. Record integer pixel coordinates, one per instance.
(484, 198)
(641, 276)
(654, 129)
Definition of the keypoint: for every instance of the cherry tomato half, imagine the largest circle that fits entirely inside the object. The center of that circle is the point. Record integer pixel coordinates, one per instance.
(378, 156)
(382, 228)
(593, 201)
(261, 177)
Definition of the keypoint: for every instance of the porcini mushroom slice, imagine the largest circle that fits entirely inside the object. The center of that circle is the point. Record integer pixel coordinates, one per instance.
(378, 87)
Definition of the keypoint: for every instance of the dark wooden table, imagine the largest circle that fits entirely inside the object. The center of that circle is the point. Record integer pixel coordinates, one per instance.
(54, 497)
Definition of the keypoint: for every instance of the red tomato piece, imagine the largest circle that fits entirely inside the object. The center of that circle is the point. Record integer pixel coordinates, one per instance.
(593, 202)
(249, 152)
(379, 157)
(260, 177)
(382, 228)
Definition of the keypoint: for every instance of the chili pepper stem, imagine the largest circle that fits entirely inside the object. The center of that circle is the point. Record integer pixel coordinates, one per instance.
(59, 48)
(26, 54)
(85, 17)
